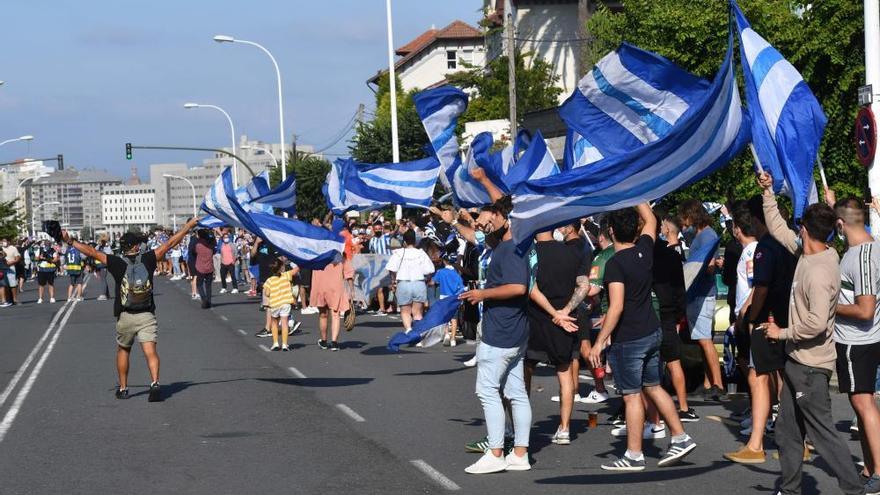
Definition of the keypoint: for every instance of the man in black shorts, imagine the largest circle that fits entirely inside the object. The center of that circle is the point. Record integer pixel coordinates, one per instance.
(562, 270)
(47, 265)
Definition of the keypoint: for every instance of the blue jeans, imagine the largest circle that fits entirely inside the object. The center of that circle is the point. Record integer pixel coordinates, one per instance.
(502, 369)
(175, 265)
(636, 363)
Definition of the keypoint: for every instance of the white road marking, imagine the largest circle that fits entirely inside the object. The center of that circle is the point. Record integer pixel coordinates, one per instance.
(224, 318)
(242, 332)
(265, 348)
(31, 356)
(297, 373)
(350, 413)
(35, 372)
(435, 475)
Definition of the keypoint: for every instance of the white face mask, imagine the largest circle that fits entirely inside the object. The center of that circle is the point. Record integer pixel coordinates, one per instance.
(558, 236)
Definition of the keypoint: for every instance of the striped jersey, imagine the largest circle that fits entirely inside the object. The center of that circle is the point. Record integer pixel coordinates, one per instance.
(380, 244)
(859, 276)
(280, 290)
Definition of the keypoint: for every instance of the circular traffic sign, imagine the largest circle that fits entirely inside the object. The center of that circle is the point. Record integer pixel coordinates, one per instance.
(865, 137)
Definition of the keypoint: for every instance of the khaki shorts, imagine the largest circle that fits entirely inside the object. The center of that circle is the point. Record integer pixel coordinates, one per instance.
(140, 325)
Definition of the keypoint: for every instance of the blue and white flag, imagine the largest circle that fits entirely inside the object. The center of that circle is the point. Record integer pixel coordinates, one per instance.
(283, 196)
(630, 98)
(429, 330)
(439, 110)
(579, 151)
(243, 194)
(787, 120)
(360, 186)
(701, 140)
(537, 162)
(216, 202)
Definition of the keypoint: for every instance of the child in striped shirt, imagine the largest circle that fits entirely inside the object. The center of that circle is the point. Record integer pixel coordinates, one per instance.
(279, 292)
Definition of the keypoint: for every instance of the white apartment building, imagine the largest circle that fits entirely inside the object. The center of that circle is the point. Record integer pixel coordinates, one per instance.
(429, 58)
(127, 206)
(13, 178)
(71, 196)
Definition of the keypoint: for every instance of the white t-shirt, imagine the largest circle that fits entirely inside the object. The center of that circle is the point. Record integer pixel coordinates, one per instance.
(745, 275)
(11, 253)
(859, 276)
(410, 264)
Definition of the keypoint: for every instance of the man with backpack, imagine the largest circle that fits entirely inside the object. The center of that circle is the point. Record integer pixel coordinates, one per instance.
(134, 306)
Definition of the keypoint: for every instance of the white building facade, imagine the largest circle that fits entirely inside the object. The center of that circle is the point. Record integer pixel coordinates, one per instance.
(124, 207)
(71, 196)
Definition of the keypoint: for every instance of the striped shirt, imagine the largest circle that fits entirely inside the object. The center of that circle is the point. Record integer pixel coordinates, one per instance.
(380, 244)
(280, 291)
(859, 276)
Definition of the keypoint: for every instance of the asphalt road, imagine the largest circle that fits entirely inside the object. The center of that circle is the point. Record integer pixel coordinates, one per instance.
(240, 419)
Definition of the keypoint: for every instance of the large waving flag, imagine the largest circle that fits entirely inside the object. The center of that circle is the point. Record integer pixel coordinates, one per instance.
(428, 330)
(579, 151)
(245, 195)
(630, 98)
(283, 196)
(701, 140)
(360, 186)
(787, 120)
(439, 109)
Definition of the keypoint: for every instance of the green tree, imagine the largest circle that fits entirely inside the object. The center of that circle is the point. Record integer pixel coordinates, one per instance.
(824, 41)
(311, 173)
(11, 223)
(535, 88)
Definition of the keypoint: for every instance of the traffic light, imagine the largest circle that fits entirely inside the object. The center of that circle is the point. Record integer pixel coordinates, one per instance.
(128, 151)
(60, 160)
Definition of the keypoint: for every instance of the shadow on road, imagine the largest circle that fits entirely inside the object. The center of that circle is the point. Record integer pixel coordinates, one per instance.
(434, 372)
(683, 470)
(379, 324)
(318, 382)
(171, 389)
(381, 350)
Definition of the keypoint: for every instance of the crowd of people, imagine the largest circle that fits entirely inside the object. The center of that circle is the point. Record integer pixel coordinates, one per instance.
(618, 295)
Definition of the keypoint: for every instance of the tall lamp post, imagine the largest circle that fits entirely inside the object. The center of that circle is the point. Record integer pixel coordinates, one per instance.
(191, 186)
(392, 80)
(221, 38)
(22, 138)
(34, 215)
(231, 130)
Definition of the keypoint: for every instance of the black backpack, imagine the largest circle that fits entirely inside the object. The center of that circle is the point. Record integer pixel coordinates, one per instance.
(136, 290)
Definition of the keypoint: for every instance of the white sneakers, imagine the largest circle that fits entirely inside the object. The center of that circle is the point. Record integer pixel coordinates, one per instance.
(234, 291)
(40, 301)
(577, 398)
(594, 397)
(223, 291)
(309, 310)
(470, 363)
(561, 437)
(52, 300)
(650, 432)
(488, 463)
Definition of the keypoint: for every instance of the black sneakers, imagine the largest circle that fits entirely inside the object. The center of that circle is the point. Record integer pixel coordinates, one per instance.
(323, 344)
(122, 393)
(689, 416)
(155, 393)
(263, 333)
(294, 329)
(334, 346)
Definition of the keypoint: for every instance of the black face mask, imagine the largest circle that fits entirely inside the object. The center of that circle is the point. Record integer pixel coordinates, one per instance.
(494, 238)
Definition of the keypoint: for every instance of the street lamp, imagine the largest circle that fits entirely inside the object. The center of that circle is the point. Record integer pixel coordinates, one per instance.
(232, 130)
(221, 38)
(22, 181)
(264, 150)
(34, 215)
(23, 138)
(171, 176)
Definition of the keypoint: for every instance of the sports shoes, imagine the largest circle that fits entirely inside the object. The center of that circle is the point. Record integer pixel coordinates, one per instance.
(292, 329)
(155, 393)
(624, 463)
(561, 437)
(275, 347)
(446, 340)
(285, 348)
(40, 301)
(577, 398)
(452, 342)
(223, 291)
(309, 310)
(52, 300)
(854, 425)
(381, 313)
(689, 416)
(594, 397)
(470, 363)
(234, 291)
(102, 297)
(334, 346)
(745, 455)
(488, 463)
(477, 447)
(714, 393)
(5, 304)
(676, 452)
(323, 344)
(517, 463)
(122, 394)
(617, 420)
(650, 432)
(872, 487)
(263, 333)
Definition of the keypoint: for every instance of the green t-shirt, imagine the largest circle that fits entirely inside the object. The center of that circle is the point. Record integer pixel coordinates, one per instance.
(597, 278)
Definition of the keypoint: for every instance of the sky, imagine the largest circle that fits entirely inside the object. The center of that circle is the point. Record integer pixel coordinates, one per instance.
(84, 77)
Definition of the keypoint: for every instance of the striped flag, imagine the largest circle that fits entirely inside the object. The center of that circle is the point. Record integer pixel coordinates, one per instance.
(787, 121)
(283, 196)
(579, 151)
(645, 159)
(439, 109)
(244, 195)
(360, 186)
(429, 330)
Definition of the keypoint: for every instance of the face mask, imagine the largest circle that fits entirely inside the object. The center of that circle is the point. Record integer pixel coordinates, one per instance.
(689, 230)
(494, 239)
(662, 236)
(558, 236)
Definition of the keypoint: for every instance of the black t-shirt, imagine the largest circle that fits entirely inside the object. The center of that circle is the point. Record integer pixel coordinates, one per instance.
(633, 268)
(559, 265)
(774, 269)
(265, 256)
(668, 285)
(117, 267)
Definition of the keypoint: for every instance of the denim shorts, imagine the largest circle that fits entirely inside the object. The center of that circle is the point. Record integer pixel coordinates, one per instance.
(410, 291)
(701, 316)
(636, 363)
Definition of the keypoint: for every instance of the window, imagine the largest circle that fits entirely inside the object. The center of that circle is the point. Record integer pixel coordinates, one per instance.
(451, 59)
(467, 56)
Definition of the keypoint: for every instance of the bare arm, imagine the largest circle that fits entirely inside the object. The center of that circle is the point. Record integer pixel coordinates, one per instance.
(538, 297)
(500, 293)
(480, 175)
(581, 291)
(649, 221)
(85, 249)
(175, 239)
(609, 321)
(863, 309)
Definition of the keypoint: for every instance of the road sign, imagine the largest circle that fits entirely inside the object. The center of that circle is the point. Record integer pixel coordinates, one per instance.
(865, 136)
(866, 95)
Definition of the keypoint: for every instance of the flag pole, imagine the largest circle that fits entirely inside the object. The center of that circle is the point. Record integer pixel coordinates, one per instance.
(395, 147)
(822, 172)
(755, 157)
